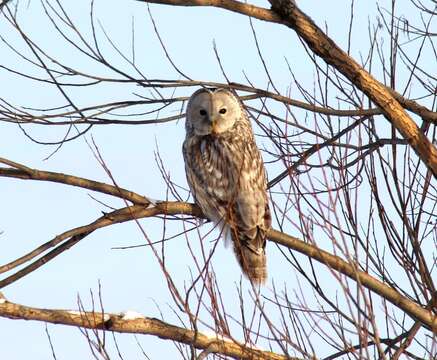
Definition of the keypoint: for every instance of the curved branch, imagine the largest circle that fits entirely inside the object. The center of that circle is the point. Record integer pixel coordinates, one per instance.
(72, 237)
(350, 270)
(139, 325)
(25, 173)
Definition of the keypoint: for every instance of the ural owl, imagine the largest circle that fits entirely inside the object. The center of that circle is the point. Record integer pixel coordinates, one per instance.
(226, 174)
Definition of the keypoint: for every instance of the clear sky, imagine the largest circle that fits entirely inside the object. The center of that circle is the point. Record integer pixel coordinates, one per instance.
(34, 212)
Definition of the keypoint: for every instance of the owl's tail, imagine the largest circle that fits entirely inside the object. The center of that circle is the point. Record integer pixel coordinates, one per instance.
(251, 255)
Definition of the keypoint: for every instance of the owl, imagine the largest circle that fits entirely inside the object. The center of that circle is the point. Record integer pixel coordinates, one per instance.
(226, 175)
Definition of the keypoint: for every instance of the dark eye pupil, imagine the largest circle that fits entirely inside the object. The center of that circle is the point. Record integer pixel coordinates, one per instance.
(202, 112)
(222, 111)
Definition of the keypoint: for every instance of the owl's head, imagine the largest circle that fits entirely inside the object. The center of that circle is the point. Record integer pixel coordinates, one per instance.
(212, 112)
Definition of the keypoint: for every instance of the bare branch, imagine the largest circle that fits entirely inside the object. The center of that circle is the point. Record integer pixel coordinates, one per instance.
(25, 173)
(141, 325)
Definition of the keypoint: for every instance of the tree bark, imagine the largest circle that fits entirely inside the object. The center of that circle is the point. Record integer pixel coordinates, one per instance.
(138, 325)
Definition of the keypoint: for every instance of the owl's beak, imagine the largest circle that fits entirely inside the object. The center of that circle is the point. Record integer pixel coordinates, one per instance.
(214, 129)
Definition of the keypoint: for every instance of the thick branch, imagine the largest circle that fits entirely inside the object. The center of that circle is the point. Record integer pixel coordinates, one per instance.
(138, 325)
(324, 47)
(235, 6)
(334, 262)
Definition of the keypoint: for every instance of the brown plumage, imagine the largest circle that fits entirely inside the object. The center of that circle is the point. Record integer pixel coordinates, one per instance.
(226, 174)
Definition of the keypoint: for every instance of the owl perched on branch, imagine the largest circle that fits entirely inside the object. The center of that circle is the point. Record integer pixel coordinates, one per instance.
(226, 174)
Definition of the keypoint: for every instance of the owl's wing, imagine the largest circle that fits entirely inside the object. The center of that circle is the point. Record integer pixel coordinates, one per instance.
(249, 222)
(250, 219)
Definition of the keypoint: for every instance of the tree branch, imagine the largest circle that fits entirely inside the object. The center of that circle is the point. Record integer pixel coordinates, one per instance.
(350, 270)
(20, 171)
(231, 5)
(287, 13)
(72, 237)
(139, 325)
(176, 208)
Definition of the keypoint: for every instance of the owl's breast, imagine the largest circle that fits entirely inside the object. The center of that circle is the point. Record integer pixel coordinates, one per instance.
(211, 173)
(217, 160)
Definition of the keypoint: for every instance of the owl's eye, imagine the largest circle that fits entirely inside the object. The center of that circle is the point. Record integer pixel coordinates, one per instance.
(222, 111)
(202, 112)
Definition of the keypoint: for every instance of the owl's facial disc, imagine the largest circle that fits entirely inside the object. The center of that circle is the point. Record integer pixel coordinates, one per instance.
(213, 113)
